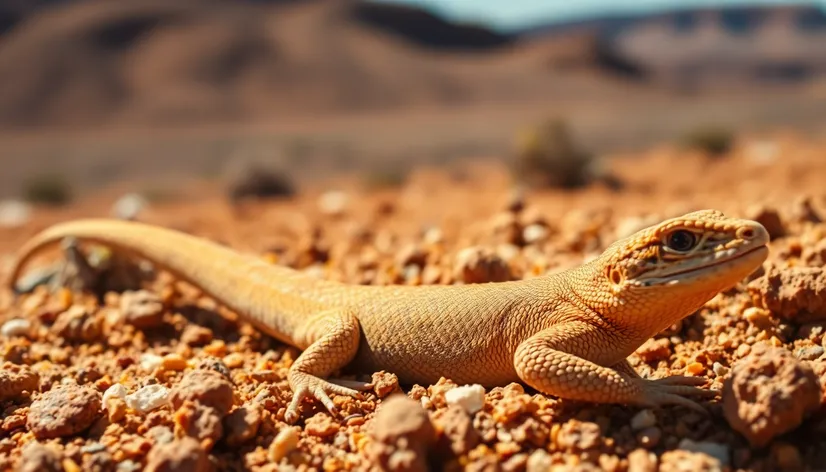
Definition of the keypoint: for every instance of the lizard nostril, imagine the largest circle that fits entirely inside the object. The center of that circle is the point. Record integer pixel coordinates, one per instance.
(745, 233)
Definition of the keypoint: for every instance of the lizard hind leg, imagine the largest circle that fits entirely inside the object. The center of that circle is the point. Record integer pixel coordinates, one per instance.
(331, 339)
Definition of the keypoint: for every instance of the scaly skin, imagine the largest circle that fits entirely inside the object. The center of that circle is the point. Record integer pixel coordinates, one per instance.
(566, 334)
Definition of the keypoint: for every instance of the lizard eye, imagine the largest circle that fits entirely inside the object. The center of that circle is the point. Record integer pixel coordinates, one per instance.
(681, 240)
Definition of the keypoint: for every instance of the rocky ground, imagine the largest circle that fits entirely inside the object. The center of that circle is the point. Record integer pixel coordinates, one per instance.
(145, 373)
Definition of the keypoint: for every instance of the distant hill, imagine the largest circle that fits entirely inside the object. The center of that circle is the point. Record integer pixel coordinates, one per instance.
(159, 62)
(708, 45)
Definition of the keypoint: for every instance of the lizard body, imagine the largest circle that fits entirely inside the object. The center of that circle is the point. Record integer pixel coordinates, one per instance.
(567, 334)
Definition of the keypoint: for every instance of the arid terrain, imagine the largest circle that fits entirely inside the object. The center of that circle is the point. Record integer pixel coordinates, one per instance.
(150, 90)
(158, 377)
(386, 145)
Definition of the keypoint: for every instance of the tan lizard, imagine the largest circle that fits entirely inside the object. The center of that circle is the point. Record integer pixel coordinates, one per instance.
(566, 334)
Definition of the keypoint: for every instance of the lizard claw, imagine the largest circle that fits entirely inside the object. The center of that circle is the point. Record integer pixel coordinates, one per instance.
(353, 384)
(309, 386)
(674, 390)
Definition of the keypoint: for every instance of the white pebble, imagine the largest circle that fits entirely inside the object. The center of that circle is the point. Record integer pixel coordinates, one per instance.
(715, 450)
(128, 206)
(643, 419)
(426, 402)
(534, 233)
(148, 398)
(469, 397)
(151, 362)
(115, 391)
(14, 214)
(16, 327)
(332, 203)
(434, 235)
(539, 461)
(719, 369)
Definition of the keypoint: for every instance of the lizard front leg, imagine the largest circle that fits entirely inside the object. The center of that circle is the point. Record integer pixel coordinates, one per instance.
(555, 361)
(331, 339)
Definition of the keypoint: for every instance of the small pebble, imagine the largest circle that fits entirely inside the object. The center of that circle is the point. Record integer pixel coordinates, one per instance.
(649, 438)
(716, 450)
(433, 236)
(150, 362)
(809, 353)
(285, 442)
(534, 233)
(333, 203)
(16, 327)
(173, 362)
(759, 317)
(787, 456)
(14, 213)
(129, 206)
(643, 419)
(719, 369)
(695, 368)
(148, 398)
(115, 391)
(470, 397)
(539, 461)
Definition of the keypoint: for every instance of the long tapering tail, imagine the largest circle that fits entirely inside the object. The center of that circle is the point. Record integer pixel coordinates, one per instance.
(244, 283)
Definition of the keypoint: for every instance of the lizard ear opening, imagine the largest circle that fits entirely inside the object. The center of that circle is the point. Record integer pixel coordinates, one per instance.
(614, 275)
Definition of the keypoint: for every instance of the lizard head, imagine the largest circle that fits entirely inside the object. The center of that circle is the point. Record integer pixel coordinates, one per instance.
(665, 272)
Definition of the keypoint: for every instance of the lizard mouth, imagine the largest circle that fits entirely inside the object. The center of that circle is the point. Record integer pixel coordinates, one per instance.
(715, 263)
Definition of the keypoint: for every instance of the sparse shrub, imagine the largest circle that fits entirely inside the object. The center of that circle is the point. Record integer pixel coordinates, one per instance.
(547, 156)
(48, 189)
(713, 140)
(256, 180)
(161, 193)
(385, 177)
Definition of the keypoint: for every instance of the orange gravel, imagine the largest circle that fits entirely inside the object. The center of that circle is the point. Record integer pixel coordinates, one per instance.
(158, 377)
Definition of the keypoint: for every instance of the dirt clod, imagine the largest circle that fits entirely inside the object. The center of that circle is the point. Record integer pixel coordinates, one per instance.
(206, 387)
(769, 393)
(180, 455)
(63, 411)
(402, 435)
(15, 380)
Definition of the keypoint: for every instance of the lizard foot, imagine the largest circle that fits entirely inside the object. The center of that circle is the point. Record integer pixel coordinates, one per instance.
(674, 390)
(309, 386)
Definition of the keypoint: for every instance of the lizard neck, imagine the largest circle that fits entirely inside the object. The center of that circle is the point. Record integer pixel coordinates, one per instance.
(630, 316)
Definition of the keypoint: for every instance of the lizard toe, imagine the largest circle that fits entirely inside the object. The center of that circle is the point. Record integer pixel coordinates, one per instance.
(352, 385)
(662, 399)
(308, 386)
(686, 391)
(658, 393)
(299, 394)
(681, 380)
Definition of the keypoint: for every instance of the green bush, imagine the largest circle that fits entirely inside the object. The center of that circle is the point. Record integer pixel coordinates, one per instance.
(48, 189)
(712, 140)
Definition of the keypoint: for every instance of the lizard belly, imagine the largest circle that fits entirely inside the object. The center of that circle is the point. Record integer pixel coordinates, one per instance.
(424, 355)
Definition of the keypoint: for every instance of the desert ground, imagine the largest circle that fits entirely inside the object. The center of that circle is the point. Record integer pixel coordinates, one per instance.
(377, 144)
(132, 373)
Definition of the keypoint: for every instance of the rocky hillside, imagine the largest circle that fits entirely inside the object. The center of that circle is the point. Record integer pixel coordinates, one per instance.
(154, 62)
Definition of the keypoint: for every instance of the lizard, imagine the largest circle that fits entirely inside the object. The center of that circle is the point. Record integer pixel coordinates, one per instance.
(566, 334)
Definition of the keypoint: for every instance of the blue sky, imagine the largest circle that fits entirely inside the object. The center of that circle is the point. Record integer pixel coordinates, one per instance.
(509, 14)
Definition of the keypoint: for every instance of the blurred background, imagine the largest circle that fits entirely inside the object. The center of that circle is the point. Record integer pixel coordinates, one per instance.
(157, 95)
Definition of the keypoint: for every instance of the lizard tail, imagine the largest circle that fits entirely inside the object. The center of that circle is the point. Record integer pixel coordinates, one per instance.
(241, 282)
